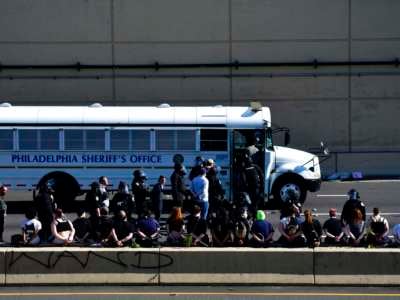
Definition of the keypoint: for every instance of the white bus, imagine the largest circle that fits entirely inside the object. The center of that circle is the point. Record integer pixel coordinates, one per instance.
(76, 145)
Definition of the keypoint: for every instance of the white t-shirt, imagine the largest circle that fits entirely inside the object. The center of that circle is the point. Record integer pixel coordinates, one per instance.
(37, 225)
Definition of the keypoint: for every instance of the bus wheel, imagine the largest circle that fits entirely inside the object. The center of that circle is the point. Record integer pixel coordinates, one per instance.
(288, 187)
(66, 189)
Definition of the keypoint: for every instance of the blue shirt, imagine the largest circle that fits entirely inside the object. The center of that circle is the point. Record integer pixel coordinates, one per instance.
(262, 227)
(200, 188)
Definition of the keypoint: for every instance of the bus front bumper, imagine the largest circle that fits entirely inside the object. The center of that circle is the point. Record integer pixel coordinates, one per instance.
(313, 185)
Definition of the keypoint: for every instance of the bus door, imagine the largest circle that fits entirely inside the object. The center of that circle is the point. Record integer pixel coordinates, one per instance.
(249, 164)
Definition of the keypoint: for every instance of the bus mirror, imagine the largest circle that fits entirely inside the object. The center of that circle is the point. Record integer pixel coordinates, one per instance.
(287, 138)
(324, 149)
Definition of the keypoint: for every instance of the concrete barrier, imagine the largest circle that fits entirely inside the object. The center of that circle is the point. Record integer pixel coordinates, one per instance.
(81, 266)
(356, 266)
(237, 266)
(320, 266)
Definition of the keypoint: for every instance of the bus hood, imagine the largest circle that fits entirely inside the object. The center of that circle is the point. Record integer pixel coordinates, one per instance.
(297, 161)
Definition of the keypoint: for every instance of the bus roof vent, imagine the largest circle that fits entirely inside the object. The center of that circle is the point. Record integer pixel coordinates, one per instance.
(5, 104)
(95, 105)
(164, 105)
(218, 106)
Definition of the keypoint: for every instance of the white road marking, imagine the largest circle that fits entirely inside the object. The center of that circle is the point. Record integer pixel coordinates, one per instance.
(368, 214)
(332, 195)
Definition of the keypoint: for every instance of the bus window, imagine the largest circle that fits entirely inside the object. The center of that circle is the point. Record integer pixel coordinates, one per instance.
(213, 140)
(165, 139)
(186, 139)
(73, 139)
(119, 139)
(140, 140)
(95, 140)
(28, 139)
(49, 139)
(6, 139)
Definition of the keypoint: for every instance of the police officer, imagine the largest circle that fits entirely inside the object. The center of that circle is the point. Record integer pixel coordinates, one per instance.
(252, 177)
(45, 206)
(350, 206)
(178, 184)
(215, 190)
(140, 191)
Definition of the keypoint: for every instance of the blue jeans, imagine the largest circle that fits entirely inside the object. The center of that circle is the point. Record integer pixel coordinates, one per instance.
(204, 209)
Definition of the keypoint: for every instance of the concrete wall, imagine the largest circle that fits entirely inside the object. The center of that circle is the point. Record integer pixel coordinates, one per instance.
(320, 266)
(351, 113)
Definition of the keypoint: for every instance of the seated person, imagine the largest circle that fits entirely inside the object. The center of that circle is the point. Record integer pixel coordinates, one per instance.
(30, 228)
(333, 229)
(103, 228)
(222, 228)
(197, 228)
(83, 228)
(241, 228)
(62, 229)
(122, 231)
(122, 200)
(396, 235)
(176, 227)
(290, 229)
(378, 229)
(311, 229)
(355, 229)
(148, 230)
(262, 231)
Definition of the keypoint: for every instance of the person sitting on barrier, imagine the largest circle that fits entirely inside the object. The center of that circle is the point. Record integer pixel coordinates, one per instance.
(311, 229)
(31, 228)
(378, 230)
(122, 231)
(122, 200)
(290, 230)
(83, 228)
(241, 228)
(197, 228)
(333, 230)
(103, 228)
(221, 228)
(355, 229)
(261, 231)
(62, 229)
(396, 235)
(176, 228)
(147, 231)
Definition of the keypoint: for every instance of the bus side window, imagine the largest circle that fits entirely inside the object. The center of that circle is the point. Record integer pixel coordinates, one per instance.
(213, 140)
(28, 139)
(6, 139)
(140, 140)
(95, 139)
(73, 139)
(49, 139)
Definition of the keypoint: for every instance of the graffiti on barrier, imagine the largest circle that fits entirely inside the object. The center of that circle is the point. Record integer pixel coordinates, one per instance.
(142, 259)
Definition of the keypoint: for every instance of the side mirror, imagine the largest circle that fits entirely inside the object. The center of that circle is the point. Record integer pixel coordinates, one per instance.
(324, 149)
(287, 138)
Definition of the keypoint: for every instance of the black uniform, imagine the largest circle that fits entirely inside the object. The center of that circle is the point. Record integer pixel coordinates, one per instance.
(178, 188)
(157, 200)
(122, 201)
(140, 192)
(348, 210)
(215, 190)
(44, 204)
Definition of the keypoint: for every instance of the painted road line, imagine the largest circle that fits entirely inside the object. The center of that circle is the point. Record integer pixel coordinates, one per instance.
(332, 195)
(172, 293)
(368, 214)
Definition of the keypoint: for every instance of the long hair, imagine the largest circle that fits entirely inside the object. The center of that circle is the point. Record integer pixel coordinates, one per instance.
(176, 213)
(357, 216)
(308, 216)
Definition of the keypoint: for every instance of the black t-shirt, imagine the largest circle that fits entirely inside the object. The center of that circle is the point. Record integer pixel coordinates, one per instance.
(104, 227)
(333, 226)
(175, 225)
(123, 229)
(196, 225)
(82, 226)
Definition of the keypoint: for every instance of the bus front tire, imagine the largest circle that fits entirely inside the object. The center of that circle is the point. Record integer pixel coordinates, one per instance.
(284, 187)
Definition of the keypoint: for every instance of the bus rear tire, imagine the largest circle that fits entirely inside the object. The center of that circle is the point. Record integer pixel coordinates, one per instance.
(286, 184)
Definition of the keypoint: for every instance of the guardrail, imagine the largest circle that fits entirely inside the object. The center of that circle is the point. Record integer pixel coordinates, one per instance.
(160, 266)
